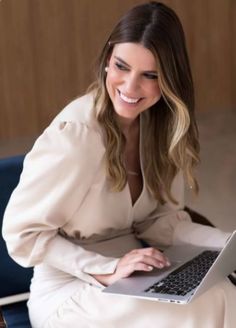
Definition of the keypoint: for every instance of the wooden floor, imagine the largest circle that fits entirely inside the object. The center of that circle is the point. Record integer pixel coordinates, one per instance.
(217, 172)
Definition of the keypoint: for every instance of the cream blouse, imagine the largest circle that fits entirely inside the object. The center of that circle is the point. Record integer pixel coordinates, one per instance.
(63, 202)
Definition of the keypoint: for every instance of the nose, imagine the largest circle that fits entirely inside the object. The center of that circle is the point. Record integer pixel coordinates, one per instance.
(132, 84)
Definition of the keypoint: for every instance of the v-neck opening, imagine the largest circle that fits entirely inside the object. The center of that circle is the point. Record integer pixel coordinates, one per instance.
(133, 205)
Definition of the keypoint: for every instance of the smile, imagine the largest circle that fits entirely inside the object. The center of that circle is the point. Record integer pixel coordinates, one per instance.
(127, 99)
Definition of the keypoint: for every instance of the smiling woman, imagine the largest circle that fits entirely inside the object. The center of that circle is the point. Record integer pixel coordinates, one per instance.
(124, 87)
(132, 80)
(108, 174)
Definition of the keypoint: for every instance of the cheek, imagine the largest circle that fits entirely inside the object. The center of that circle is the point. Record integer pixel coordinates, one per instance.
(154, 91)
(155, 94)
(113, 77)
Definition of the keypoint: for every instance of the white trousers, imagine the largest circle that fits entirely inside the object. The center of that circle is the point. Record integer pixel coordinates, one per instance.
(90, 308)
(59, 300)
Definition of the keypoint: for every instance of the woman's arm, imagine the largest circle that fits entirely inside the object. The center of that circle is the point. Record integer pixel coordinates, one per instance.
(169, 224)
(56, 176)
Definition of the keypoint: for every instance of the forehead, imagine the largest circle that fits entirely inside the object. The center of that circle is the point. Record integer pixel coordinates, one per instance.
(135, 55)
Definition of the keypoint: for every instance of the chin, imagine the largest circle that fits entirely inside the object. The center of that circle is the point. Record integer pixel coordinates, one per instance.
(126, 113)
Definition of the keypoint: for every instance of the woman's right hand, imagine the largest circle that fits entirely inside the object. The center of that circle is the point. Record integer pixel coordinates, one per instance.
(143, 259)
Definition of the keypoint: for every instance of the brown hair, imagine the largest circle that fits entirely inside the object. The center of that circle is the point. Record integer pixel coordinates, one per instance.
(171, 142)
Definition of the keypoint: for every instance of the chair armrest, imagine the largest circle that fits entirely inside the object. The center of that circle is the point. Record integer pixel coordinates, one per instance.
(232, 278)
(2, 321)
(197, 217)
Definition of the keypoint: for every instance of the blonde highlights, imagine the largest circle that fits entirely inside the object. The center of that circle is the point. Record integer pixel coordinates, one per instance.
(177, 147)
(170, 131)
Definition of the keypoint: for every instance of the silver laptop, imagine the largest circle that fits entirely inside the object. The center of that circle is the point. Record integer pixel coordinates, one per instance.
(193, 271)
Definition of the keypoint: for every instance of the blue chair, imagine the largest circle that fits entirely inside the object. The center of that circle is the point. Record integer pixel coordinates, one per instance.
(14, 280)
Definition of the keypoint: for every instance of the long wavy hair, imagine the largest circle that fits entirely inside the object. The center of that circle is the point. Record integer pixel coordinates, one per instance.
(171, 140)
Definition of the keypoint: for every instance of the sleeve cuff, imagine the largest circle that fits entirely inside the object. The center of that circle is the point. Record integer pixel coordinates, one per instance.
(75, 260)
(107, 266)
(104, 266)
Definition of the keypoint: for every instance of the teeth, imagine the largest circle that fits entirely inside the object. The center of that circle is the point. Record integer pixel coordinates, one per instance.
(128, 100)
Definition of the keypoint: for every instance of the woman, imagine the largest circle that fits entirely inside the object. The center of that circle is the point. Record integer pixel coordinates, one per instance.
(107, 173)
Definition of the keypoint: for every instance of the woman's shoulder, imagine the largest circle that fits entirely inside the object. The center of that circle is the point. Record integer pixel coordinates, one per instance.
(74, 127)
(80, 111)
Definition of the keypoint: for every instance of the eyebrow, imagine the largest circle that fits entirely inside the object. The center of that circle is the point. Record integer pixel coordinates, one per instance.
(123, 62)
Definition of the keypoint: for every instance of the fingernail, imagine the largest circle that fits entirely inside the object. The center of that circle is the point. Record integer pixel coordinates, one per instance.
(161, 265)
(168, 263)
(150, 268)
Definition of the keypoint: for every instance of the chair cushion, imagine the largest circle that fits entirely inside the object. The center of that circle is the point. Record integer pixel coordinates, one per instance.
(14, 279)
(16, 315)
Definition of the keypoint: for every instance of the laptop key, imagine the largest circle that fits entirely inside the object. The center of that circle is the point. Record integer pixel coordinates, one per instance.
(187, 277)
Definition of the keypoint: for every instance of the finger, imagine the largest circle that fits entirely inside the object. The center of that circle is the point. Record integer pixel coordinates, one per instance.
(152, 252)
(148, 260)
(142, 267)
(148, 251)
(126, 271)
(142, 258)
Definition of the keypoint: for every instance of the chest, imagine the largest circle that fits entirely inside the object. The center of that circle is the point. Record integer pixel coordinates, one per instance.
(133, 169)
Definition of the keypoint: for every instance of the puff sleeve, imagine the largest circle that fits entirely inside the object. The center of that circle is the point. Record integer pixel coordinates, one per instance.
(57, 175)
(169, 225)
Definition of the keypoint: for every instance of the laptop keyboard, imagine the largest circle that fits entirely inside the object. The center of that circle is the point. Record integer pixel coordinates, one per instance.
(187, 277)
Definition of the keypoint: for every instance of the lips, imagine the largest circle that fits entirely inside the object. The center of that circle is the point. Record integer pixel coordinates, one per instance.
(128, 100)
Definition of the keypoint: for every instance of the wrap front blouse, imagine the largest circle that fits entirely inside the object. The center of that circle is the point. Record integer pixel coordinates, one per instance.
(63, 208)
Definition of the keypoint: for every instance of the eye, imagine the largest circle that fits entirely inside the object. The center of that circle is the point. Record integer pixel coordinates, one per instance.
(151, 76)
(121, 67)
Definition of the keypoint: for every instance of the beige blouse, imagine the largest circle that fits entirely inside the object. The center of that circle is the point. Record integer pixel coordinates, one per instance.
(63, 203)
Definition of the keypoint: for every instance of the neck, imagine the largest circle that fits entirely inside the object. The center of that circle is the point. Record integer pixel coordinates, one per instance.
(128, 126)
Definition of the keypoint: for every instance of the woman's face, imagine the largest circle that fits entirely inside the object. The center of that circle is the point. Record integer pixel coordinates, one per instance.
(131, 81)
